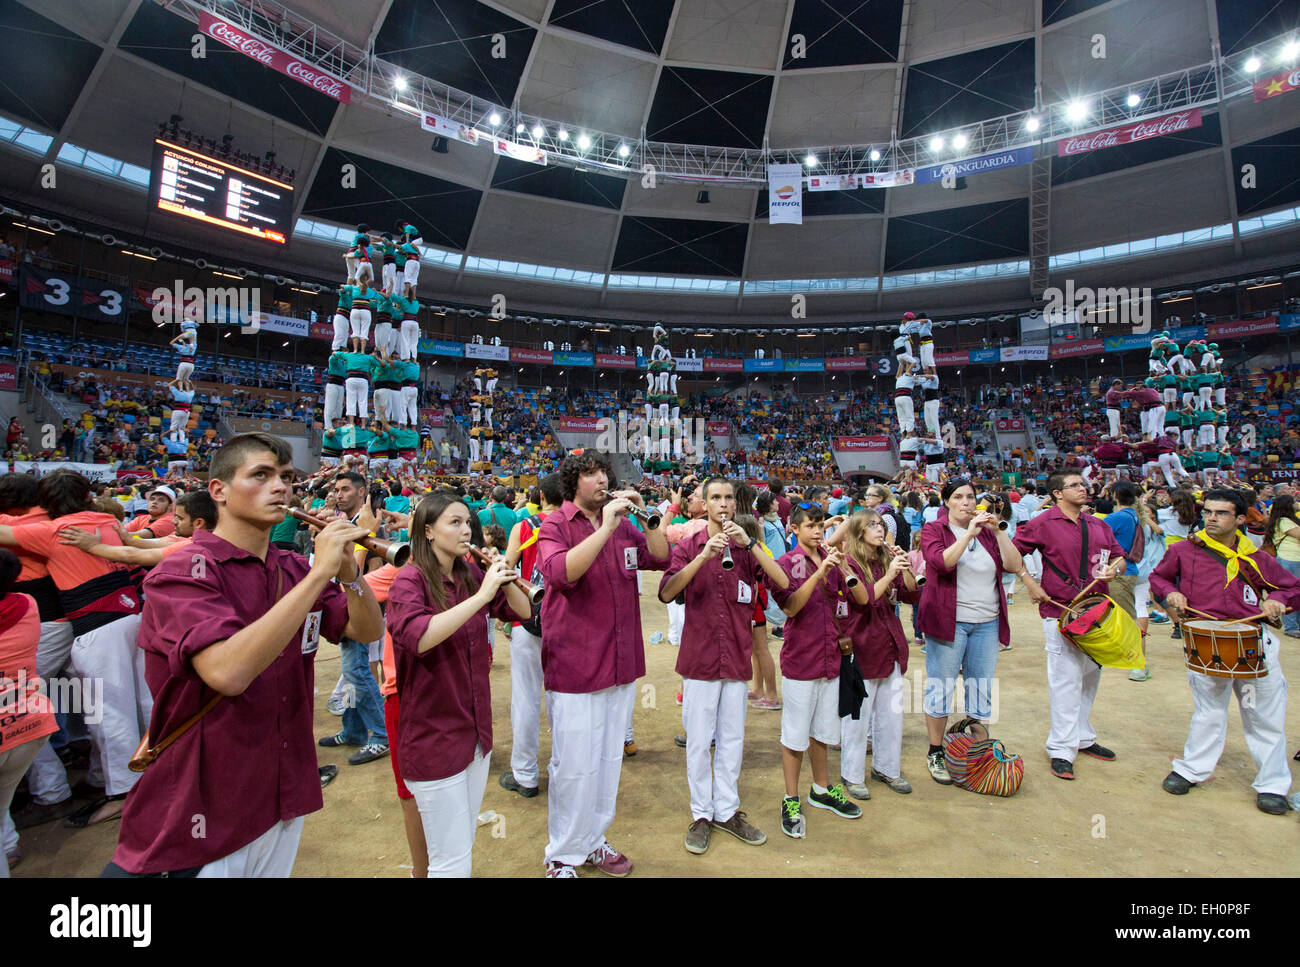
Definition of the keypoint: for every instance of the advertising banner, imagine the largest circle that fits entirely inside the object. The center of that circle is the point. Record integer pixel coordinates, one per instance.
(975, 166)
(273, 57)
(1130, 133)
(862, 444)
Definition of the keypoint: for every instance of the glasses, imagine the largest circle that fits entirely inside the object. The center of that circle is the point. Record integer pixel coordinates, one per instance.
(1080, 485)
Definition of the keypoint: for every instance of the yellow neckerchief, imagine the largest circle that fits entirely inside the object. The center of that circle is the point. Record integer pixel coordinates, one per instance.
(1241, 553)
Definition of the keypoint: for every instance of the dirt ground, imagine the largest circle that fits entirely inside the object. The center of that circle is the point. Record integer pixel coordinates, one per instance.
(1113, 820)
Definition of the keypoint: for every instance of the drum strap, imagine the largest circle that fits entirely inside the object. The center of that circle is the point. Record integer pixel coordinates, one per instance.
(1083, 556)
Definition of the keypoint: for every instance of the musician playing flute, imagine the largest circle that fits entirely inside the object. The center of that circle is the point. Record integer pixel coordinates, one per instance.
(592, 655)
(239, 618)
(1218, 568)
(438, 608)
(714, 659)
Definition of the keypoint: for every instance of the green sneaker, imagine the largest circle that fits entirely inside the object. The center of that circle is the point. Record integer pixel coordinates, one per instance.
(792, 821)
(836, 801)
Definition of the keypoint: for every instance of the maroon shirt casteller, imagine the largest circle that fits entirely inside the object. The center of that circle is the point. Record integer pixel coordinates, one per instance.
(591, 628)
(810, 650)
(1200, 577)
(717, 636)
(939, 595)
(444, 695)
(1061, 541)
(878, 636)
(783, 507)
(250, 762)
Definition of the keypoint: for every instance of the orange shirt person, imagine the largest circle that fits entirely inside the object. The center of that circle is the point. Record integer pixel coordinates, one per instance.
(195, 511)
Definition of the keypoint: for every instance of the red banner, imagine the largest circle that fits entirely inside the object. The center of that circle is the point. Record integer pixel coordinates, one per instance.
(1129, 133)
(433, 417)
(581, 424)
(723, 365)
(275, 58)
(1242, 327)
(860, 444)
(544, 356)
(6, 270)
(8, 376)
(952, 359)
(1278, 84)
(323, 330)
(1016, 424)
(846, 362)
(109, 377)
(615, 362)
(719, 429)
(1079, 347)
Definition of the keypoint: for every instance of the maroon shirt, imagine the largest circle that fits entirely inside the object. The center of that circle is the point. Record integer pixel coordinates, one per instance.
(783, 510)
(878, 636)
(939, 596)
(1114, 397)
(444, 695)
(717, 636)
(1146, 397)
(1061, 541)
(1199, 575)
(810, 651)
(591, 628)
(250, 762)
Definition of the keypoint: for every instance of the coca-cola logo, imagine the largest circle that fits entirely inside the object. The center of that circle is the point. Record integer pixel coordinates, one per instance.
(1165, 125)
(313, 78)
(242, 42)
(1102, 139)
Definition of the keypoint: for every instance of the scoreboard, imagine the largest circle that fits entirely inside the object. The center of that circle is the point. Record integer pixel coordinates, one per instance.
(221, 193)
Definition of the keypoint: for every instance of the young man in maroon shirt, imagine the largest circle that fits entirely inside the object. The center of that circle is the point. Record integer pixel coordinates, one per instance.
(236, 617)
(715, 658)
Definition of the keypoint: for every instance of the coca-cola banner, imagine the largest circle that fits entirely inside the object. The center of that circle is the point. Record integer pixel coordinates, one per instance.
(1243, 327)
(1078, 347)
(273, 57)
(1129, 133)
(719, 429)
(580, 424)
(1278, 84)
(1016, 424)
(862, 444)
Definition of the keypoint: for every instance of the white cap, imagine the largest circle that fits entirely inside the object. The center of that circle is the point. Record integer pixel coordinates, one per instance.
(164, 489)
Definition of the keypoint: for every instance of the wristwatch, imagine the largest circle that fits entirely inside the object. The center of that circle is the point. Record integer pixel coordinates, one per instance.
(750, 545)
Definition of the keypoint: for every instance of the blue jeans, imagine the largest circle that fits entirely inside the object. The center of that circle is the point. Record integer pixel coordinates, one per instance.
(974, 654)
(363, 713)
(1291, 621)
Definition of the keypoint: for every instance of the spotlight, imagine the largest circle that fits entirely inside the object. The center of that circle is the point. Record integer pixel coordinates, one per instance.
(1031, 124)
(811, 160)
(702, 198)
(399, 83)
(584, 142)
(563, 135)
(519, 128)
(624, 151)
(494, 119)
(1076, 111)
(538, 132)
(936, 144)
(959, 142)
(1251, 65)
(875, 155)
(1290, 51)
(1133, 100)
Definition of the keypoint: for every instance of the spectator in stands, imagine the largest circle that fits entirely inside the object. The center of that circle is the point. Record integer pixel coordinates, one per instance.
(157, 520)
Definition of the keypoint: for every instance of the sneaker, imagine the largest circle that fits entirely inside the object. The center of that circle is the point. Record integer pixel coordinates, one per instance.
(740, 828)
(1006, 647)
(1158, 618)
(778, 634)
(792, 821)
(1099, 752)
(1177, 632)
(899, 785)
(508, 781)
(697, 837)
(835, 800)
(1062, 769)
(656, 638)
(560, 871)
(766, 704)
(858, 790)
(1139, 675)
(334, 741)
(335, 706)
(920, 643)
(1176, 784)
(327, 774)
(1271, 803)
(629, 749)
(938, 767)
(680, 740)
(610, 861)
(368, 753)
(679, 698)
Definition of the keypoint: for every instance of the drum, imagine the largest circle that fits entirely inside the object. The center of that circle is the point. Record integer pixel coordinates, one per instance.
(1104, 631)
(1224, 649)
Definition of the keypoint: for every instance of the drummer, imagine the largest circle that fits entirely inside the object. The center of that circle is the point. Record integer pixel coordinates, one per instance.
(1195, 569)
(1079, 553)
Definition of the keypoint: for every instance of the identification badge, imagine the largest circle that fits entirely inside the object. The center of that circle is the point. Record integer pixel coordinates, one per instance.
(311, 633)
(744, 594)
(841, 609)
(1249, 596)
(629, 558)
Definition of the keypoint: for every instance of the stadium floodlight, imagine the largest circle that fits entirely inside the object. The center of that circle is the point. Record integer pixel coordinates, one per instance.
(1032, 123)
(1133, 99)
(538, 132)
(875, 155)
(399, 83)
(584, 142)
(936, 144)
(624, 151)
(959, 141)
(563, 135)
(1251, 65)
(1290, 51)
(519, 128)
(1076, 111)
(494, 119)
(810, 160)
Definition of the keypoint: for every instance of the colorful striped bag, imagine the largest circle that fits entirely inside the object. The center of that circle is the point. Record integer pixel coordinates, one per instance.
(981, 765)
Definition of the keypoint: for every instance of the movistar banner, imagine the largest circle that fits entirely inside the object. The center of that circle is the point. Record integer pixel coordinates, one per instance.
(441, 347)
(574, 359)
(975, 166)
(805, 365)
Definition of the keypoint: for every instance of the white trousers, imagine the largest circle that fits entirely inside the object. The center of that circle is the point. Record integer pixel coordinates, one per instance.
(382, 405)
(179, 419)
(365, 270)
(906, 414)
(389, 276)
(586, 761)
(1072, 679)
(1170, 396)
(185, 369)
(714, 712)
(340, 332)
(411, 272)
(1205, 435)
(409, 342)
(1221, 395)
(1034, 564)
(1156, 420)
(881, 724)
(410, 406)
(357, 389)
(1171, 467)
(927, 354)
(1263, 720)
(1113, 416)
(383, 336)
(360, 324)
(449, 813)
(676, 621)
(333, 403)
(1204, 394)
(48, 778)
(270, 856)
(116, 722)
(525, 704)
(931, 408)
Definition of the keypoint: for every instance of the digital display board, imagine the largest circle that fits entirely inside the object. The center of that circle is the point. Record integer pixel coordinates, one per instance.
(220, 193)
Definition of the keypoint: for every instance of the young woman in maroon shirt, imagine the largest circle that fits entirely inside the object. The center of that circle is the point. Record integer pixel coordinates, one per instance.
(438, 608)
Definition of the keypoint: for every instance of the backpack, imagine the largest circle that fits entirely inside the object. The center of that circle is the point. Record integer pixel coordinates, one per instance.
(1138, 547)
(902, 529)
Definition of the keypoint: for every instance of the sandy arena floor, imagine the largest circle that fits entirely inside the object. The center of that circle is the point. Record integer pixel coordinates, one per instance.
(1113, 820)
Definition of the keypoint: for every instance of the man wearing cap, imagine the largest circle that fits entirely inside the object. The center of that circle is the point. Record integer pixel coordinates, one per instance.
(157, 521)
(839, 503)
